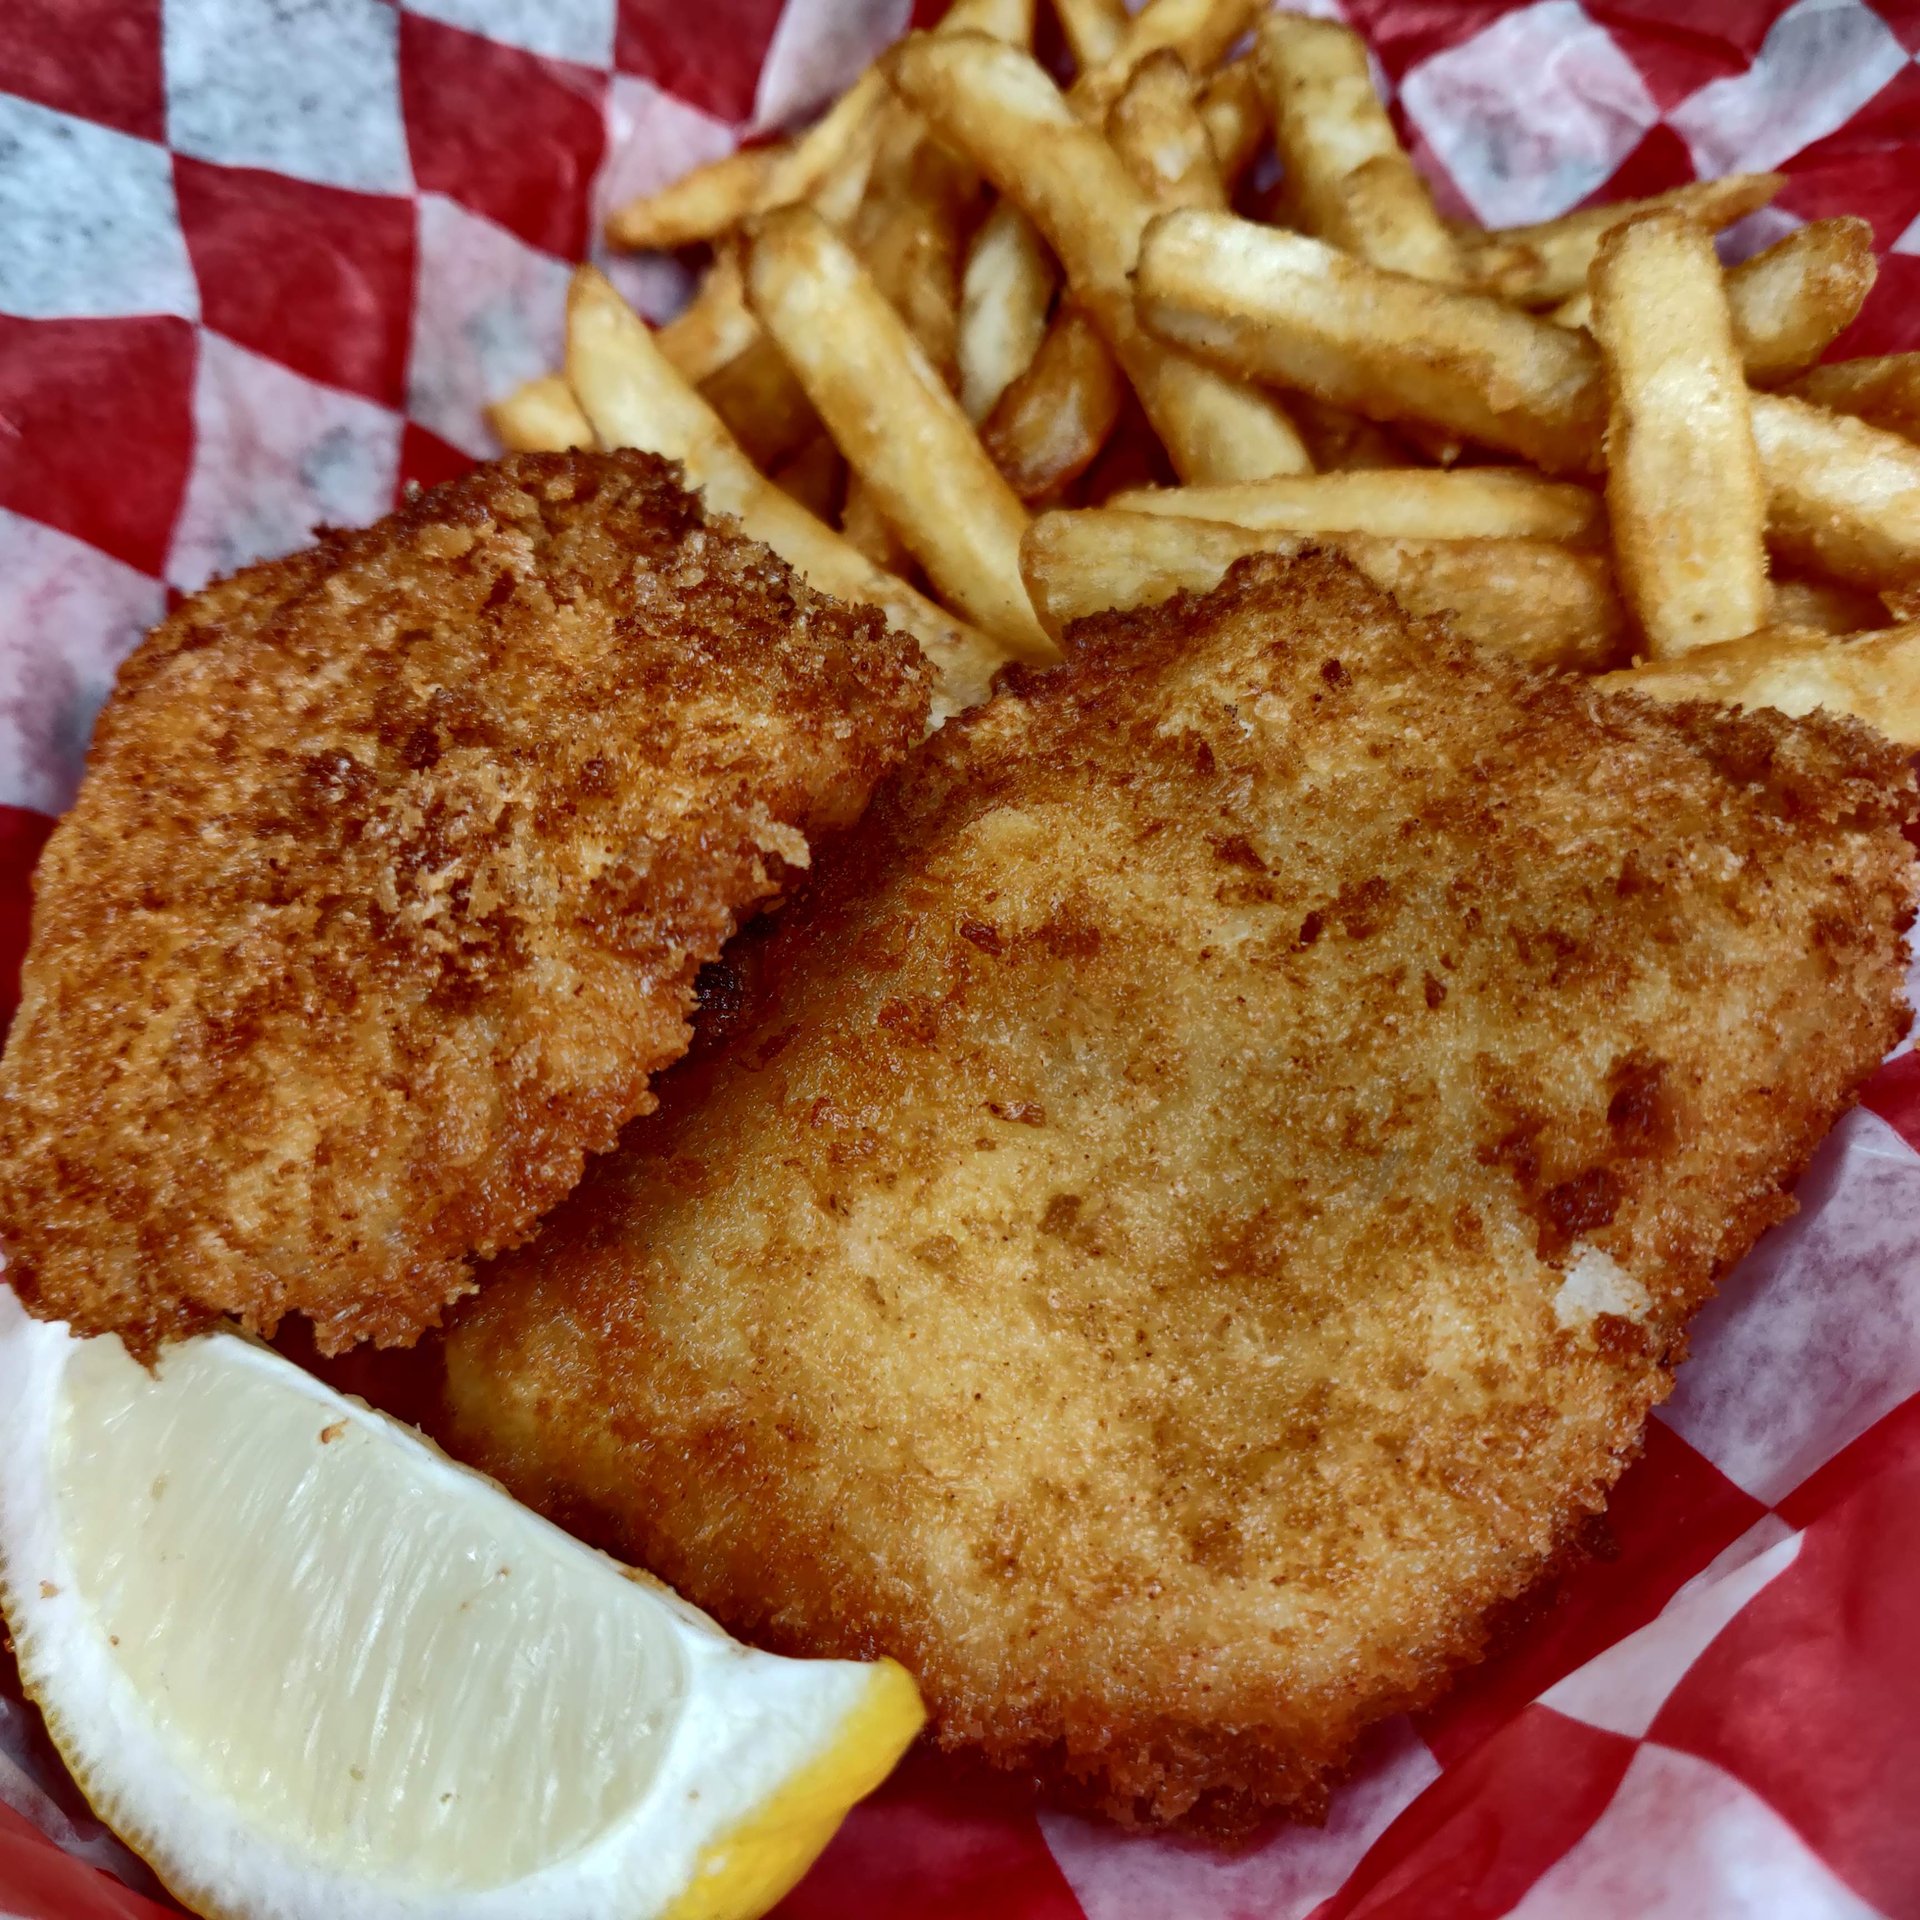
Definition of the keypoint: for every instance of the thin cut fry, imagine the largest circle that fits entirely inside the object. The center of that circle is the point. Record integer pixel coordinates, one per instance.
(1157, 131)
(1475, 503)
(908, 231)
(1092, 29)
(892, 416)
(716, 198)
(715, 326)
(763, 405)
(1349, 178)
(1873, 676)
(1234, 109)
(1052, 422)
(1199, 31)
(1842, 497)
(1532, 598)
(1563, 249)
(633, 396)
(1005, 293)
(1283, 307)
(1003, 110)
(1825, 606)
(1884, 392)
(1684, 495)
(540, 417)
(1790, 303)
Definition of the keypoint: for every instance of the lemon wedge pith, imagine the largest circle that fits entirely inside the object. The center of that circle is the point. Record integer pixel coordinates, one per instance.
(309, 1666)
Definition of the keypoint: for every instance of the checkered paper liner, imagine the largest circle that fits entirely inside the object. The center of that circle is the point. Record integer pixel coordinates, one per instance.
(262, 262)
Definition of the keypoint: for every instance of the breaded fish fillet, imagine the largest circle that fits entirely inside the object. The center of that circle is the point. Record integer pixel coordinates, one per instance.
(1196, 1203)
(387, 885)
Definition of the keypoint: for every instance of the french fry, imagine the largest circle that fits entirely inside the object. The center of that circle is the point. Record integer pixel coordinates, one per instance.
(715, 326)
(634, 398)
(893, 418)
(1530, 598)
(1008, 20)
(714, 199)
(1349, 178)
(1575, 311)
(1000, 108)
(1561, 250)
(1535, 599)
(1842, 497)
(1790, 303)
(1684, 494)
(540, 417)
(1825, 606)
(815, 476)
(1234, 110)
(1884, 392)
(1006, 290)
(869, 529)
(1873, 676)
(1475, 503)
(1052, 422)
(1092, 29)
(1157, 131)
(1199, 31)
(763, 405)
(908, 232)
(1287, 308)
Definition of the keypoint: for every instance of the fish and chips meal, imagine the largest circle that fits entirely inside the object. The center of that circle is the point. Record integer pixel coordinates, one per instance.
(1050, 953)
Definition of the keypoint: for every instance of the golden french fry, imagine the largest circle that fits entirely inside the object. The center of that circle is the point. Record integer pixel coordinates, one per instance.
(869, 529)
(1684, 494)
(718, 197)
(1234, 110)
(893, 418)
(715, 326)
(701, 205)
(1008, 20)
(1825, 606)
(635, 398)
(1883, 391)
(1535, 599)
(1873, 676)
(1000, 107)
(1563, 249)
(1349, 178)
(1790, 303)
(1156, 129)
(1531, 598)
(1842, 497)
(1092, 29)
(1287, 308)
(815, 476)
(1005, 293)
(540, 417)
(1199, 31)
(908, 232)
(764, 407)
(1052, 422)
(1474, 503)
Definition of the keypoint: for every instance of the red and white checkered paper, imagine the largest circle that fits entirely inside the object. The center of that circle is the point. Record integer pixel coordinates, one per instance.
(261, 264)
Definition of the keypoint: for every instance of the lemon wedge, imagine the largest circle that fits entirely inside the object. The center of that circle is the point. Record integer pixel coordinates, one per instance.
(309, 1666)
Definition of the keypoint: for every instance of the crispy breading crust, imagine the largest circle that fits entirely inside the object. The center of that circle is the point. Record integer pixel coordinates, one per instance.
(387, 886)
(1197, 1202)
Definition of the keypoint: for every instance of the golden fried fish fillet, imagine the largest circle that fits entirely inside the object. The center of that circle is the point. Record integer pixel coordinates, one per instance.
(387, 886)
(1195, 1204)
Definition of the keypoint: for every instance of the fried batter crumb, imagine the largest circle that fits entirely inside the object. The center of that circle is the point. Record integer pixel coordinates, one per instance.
(385, 892)
(1191, 1211)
